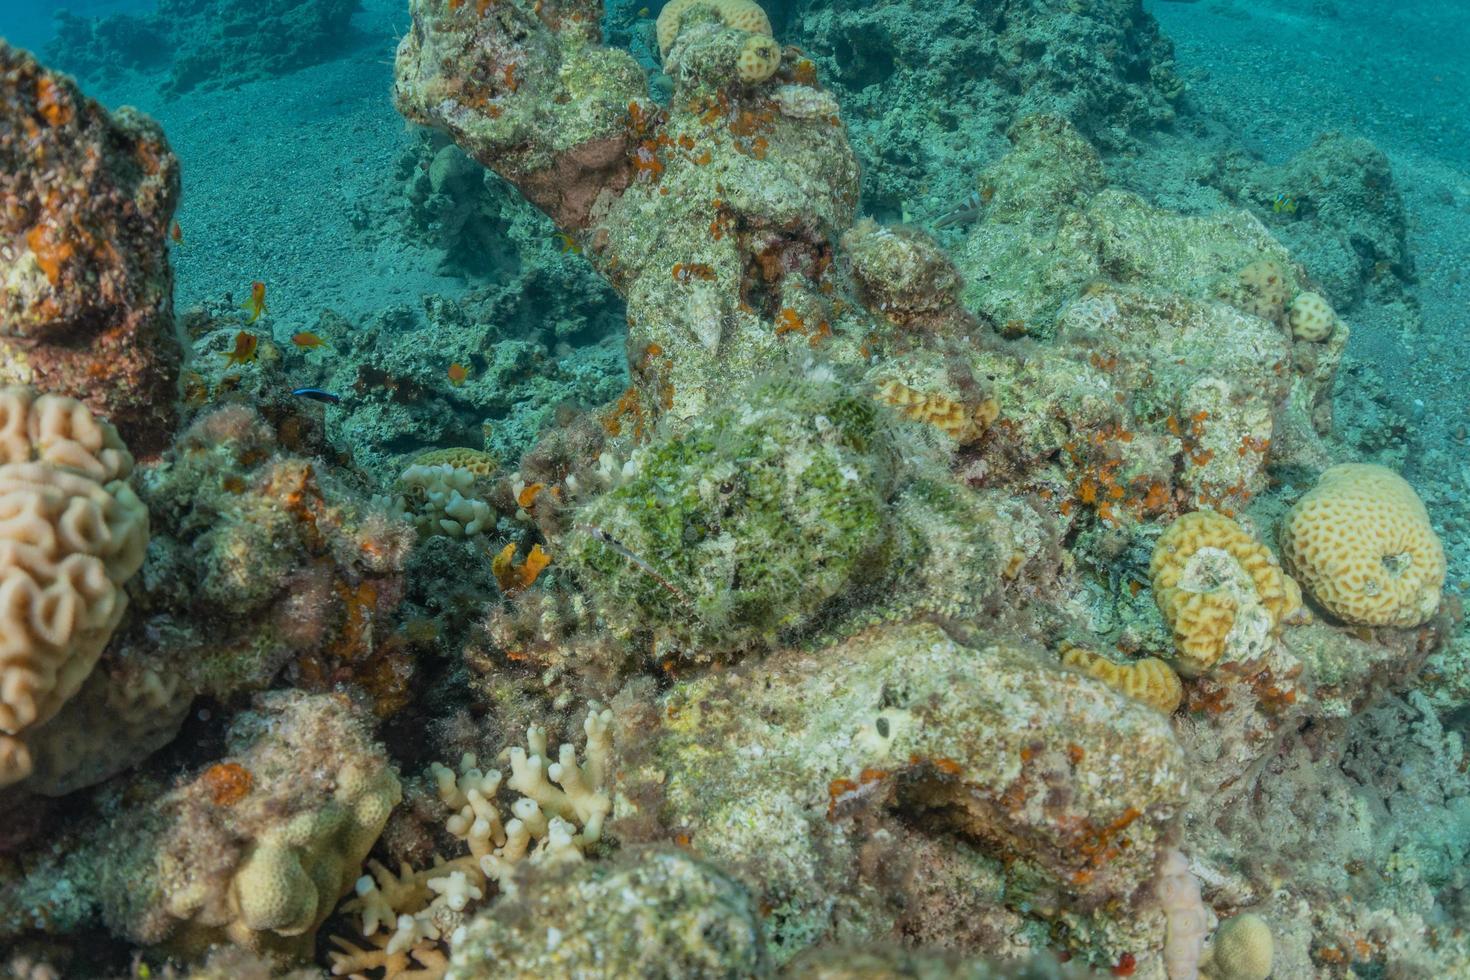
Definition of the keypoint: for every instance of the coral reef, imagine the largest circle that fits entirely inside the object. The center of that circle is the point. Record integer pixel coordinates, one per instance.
(900, 733)
(907, 590)
(86, 307)
(74, 533)
(1362, 545)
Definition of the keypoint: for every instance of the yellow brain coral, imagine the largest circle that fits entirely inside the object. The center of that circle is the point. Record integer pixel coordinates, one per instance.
(741, 14)
(1149, 681)
(963, 423)
(759, 59)
(1311, 318)
(1363, 547)
(1220, 591)
(71, 533)
(1242, 950)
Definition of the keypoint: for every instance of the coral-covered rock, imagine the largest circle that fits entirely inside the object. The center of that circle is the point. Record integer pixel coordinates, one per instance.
(930, 89)
(641, 913)
(262, 558)
(86, 307)
(806, 772)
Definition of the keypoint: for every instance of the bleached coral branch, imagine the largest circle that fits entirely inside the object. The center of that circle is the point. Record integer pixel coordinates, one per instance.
(560, 810)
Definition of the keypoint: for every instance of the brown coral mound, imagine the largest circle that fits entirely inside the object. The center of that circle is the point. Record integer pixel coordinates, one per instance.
(87, 308)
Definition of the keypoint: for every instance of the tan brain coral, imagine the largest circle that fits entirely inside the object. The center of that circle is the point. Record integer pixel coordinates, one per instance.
(1149, 681)
(1221, 592)
(71, 533)
(962, 422)
(1363, 547)
(741, 14)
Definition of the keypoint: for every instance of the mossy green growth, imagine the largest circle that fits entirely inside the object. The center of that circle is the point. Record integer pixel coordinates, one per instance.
(748, 525)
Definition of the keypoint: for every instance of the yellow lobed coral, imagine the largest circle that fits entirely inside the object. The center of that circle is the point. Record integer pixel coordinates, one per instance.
(461, 458)
(963, 423)
(1311, 318)
(1149, 681)
(71, 534)
(741, 14)
(1363, 547)
(1221, 592)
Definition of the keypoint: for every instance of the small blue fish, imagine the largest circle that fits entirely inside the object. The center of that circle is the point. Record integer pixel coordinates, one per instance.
(1284, 204)
(317, 395)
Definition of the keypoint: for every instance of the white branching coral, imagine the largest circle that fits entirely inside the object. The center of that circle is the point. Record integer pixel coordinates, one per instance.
(442, 499)
(559, 811)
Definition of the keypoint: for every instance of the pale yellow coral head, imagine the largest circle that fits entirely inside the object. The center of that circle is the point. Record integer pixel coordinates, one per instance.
(1242, 950)
(759, 59)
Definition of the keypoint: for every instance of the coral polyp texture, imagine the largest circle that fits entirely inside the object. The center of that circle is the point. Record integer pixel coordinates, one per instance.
(744, 15)
(72, 533)
(1362, 545)
(86, 292)
(1220, 590)
(1148, 680)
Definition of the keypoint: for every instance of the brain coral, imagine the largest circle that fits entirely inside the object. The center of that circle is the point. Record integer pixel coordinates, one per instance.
(1220, 590)
(1150, 680)
(759, 59)
(71, 533)
(1311, 317)
(741, 14)
(1362, 545)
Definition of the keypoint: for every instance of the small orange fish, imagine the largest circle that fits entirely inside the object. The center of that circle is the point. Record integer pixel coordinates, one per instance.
(568, 243)
(457, 374)
(307, 340)
(175, 232)
(245, 347)
(255, 305)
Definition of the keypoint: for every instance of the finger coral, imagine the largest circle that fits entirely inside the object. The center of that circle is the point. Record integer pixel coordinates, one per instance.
(443, 498)
(1150, 680)
(1221, 592)
(559, 813)
(1362, 544)
(72, 532)
(743, 15)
